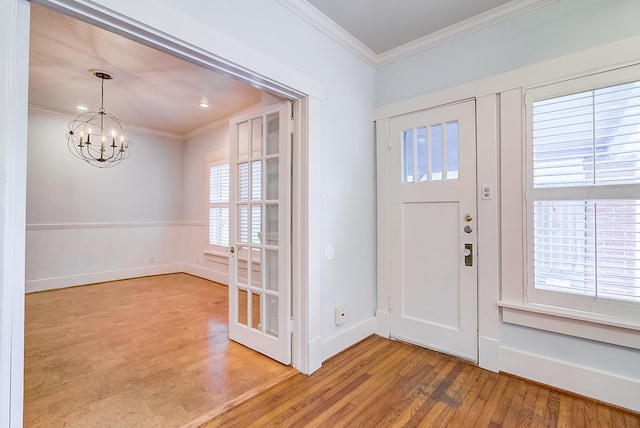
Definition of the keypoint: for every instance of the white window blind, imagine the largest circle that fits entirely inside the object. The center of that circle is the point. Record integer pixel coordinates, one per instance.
(584, 204)
(219, 205)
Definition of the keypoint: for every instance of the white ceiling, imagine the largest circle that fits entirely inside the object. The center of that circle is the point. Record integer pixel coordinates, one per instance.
(150, 89)
(383, 25)
(157, 91)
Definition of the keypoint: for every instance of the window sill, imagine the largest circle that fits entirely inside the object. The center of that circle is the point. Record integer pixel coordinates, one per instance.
(216, 256)
(586, 325)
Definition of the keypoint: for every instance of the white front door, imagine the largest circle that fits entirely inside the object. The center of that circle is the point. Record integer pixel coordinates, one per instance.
(432, 170)
(260, 232)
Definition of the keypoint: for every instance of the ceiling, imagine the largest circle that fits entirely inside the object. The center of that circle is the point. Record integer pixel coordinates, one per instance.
(150, 89)
(383, 25)
(154, 90)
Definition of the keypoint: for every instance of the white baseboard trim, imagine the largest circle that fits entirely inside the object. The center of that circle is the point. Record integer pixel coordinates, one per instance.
(202, 272)
(383, 323)
(602, 386)
(347, 337)
(314, 354)
(45, 284)
(489, 353)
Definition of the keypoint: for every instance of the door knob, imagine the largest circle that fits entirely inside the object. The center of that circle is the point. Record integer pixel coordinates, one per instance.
(232, 250)
(468, 229)
(468, 218)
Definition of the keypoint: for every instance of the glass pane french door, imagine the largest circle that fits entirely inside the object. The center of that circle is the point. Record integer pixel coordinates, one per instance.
(259, 253)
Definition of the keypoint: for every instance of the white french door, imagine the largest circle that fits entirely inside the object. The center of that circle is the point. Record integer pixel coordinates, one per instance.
(432, 179)
(260, 232)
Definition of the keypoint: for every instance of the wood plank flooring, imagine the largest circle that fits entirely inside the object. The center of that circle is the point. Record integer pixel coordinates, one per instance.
(146, 352)
(382, 383)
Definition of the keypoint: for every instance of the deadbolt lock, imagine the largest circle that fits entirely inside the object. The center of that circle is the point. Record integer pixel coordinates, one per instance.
(468, 254)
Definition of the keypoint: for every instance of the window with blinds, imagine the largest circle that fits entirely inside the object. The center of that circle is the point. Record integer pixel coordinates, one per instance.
(583, 197)
(219, 205)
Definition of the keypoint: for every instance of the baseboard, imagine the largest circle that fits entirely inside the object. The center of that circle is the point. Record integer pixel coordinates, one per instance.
(601, 386)
(489, 353)
(45, 284)
(202, 272)
(347, 337)
(314, 355)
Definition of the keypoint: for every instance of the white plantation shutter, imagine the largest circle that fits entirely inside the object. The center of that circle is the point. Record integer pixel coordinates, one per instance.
(219, 205)
(583, 198)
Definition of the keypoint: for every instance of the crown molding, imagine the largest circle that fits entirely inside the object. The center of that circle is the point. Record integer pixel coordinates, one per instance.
(323, 23)
(492, 17)
(461, 29)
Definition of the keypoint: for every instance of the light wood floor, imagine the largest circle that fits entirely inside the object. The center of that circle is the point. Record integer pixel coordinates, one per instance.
(147, 352)
(381, 383)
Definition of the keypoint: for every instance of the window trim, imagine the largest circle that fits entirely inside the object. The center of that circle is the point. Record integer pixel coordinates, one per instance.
(565, 301)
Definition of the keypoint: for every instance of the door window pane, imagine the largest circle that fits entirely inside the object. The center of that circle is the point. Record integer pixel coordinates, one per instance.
(242, 307)
(421, 154)
(255, 311)
(436, 152)
(272, 179)
(407, 156)
(271, 315)
(273, 134)
(256, 180)
(271, 224)
(256, 138)
(243, 178)
(243, 223)
(256, 224)
(452, 150)
(271, 269)
(243, 141)
(256, 267)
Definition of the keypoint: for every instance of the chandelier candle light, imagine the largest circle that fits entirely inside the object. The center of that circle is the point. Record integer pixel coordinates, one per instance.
(93, 127)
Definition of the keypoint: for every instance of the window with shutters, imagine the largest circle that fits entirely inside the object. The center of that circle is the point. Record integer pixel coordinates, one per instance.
(583, 197)
(218, 204)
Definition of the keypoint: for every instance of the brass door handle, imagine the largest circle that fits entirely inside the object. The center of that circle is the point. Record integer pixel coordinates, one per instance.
(232, 250)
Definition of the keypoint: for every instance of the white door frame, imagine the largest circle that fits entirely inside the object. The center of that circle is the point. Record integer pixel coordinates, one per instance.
(224, 55)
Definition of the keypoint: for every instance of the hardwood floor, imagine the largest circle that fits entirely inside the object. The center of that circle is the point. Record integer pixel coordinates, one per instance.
(382, 383)
(146, 352)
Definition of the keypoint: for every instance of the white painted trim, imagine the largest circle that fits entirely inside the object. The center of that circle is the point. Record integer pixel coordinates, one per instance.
(175, 32)
(146, 131)
(54, 283)
(383, 228)
(489, 353)
(220, 123)
(383, 323)
(343, 339)
(210, 274)
(327, 26)
(42, 226)
(14, 38)
(574, 323)
(315, 352)
(492, 17)
(602, 386)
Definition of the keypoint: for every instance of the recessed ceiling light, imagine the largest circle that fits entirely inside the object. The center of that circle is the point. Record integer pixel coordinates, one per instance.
(204, 104)
(83, 108)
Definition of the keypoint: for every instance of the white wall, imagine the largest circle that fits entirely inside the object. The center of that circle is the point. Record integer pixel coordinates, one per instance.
(558, 29)
(593, 368)
(341, 164)
(86, 224)
(211, 144)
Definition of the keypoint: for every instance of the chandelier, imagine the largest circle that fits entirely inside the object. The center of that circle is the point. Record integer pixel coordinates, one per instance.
(98, 137)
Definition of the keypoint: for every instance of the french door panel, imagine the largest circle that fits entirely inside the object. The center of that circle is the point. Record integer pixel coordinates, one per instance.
(259, 253)
(432, 216)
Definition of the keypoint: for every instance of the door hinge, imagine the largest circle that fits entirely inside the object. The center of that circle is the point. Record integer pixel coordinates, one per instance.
(291, 325)
(389, 143)
(389, 303)
(292, 125)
